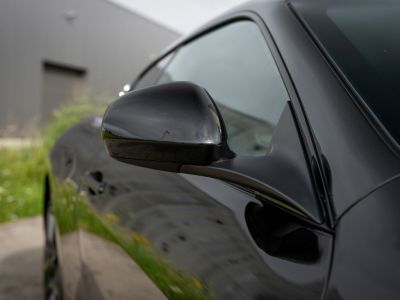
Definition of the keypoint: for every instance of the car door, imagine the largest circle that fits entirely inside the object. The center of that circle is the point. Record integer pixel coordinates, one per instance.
(201, 238)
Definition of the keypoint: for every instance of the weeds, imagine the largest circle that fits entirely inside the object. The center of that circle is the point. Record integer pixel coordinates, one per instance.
(21, 173)
(22, 170)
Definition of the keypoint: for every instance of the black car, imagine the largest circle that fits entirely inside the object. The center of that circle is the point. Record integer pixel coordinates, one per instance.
(257, 158)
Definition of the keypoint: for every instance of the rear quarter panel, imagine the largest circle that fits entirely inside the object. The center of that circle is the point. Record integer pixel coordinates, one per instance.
(367, 248)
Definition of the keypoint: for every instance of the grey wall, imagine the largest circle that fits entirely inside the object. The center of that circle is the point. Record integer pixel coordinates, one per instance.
(111, 43)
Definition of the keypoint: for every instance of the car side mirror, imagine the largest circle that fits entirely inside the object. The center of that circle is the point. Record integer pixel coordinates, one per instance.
(166, 126)
(177, 127)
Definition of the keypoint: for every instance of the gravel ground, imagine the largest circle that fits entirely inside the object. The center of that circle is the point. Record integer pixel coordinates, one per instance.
(21, 259)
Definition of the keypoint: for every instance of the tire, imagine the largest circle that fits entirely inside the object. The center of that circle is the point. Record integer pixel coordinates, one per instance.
(52, 276)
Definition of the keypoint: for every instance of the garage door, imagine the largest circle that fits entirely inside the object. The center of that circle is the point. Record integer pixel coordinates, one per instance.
(61, 85)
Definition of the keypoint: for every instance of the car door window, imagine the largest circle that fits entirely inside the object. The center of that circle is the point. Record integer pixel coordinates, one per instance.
(235, 65)
(153, 74)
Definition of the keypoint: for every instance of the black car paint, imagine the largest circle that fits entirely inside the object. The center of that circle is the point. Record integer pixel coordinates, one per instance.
(367, 248)
(198, 225)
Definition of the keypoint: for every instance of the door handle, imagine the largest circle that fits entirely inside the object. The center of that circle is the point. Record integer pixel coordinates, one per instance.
(93, 180)
(281, 235)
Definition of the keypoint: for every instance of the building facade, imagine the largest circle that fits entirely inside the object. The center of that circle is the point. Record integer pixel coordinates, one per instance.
(54, 50)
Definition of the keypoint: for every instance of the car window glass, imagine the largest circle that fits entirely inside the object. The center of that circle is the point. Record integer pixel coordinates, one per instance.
(152, 76)
(235, 65)
(361, 39)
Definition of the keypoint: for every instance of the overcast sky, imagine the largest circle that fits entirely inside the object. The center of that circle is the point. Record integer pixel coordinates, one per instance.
(180, 15)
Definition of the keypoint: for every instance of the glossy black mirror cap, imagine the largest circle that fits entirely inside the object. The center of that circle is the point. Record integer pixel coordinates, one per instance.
(165, 126)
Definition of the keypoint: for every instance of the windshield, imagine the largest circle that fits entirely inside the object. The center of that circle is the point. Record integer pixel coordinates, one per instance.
(362, 38)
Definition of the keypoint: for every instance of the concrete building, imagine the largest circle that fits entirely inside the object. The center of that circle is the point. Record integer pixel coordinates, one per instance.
(52, 50)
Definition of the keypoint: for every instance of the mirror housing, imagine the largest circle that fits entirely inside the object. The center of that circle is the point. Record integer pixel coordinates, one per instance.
(166, 126)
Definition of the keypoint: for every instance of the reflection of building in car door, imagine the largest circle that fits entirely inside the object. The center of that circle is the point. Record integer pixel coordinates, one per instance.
(60, 85)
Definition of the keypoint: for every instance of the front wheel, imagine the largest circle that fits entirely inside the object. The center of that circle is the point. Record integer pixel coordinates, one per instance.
(52, 279)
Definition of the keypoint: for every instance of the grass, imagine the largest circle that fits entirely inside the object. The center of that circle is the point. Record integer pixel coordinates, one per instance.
(22, 170)
(21, 173)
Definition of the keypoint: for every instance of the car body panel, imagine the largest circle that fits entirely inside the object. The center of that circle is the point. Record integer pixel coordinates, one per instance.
(189, 233)
(194, 227)
(357, 160)
(367, 248)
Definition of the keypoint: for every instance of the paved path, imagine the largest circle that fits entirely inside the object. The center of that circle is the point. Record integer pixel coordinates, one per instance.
(21, 259)
(21, 265)
(16, 143)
